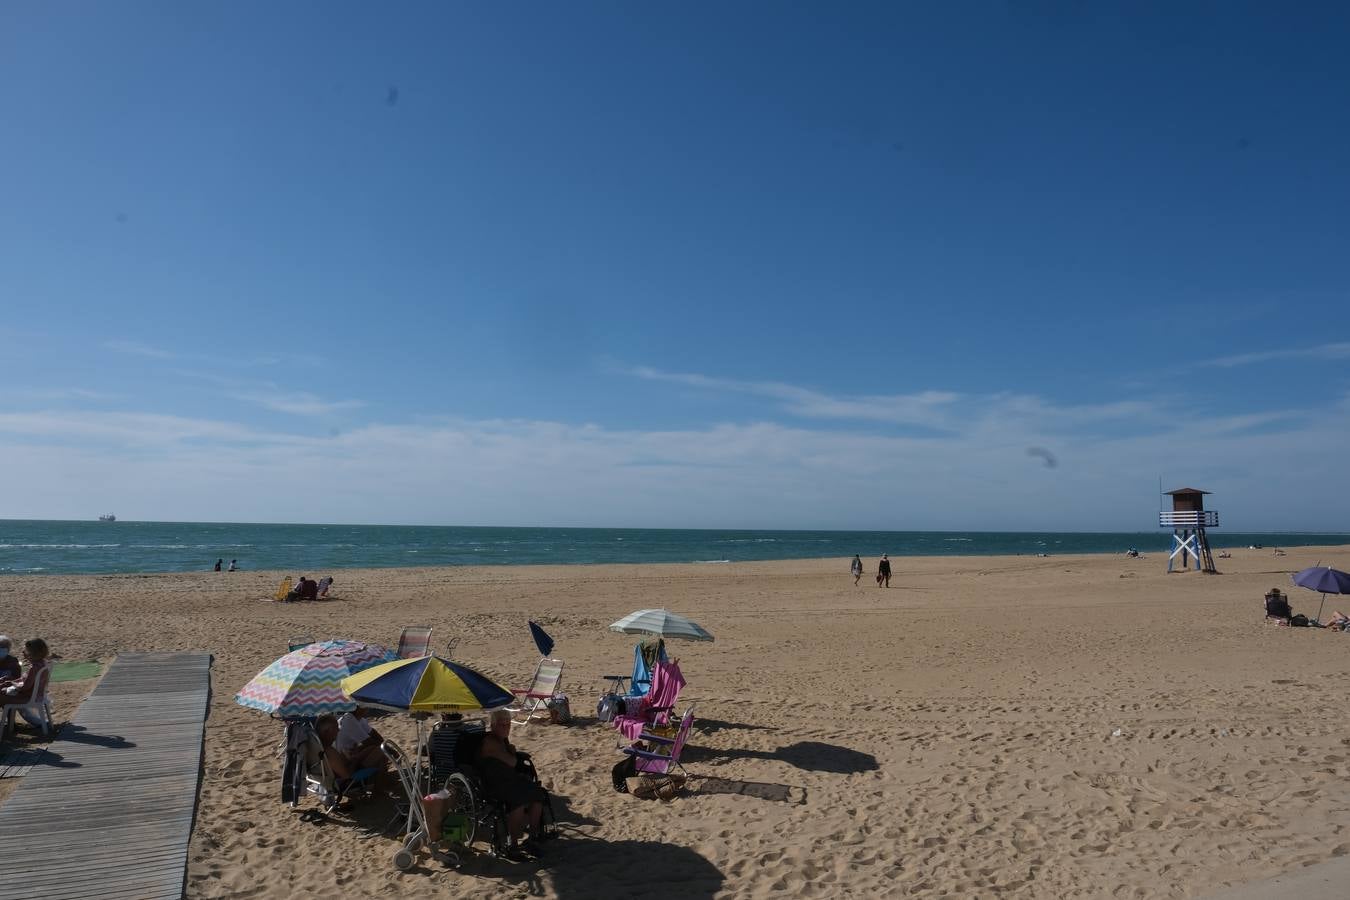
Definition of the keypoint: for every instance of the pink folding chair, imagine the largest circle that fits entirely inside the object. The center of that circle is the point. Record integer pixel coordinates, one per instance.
(664, 754)
(655, 707)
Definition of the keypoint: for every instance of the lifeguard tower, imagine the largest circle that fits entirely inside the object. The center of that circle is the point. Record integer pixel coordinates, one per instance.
(1188, 521)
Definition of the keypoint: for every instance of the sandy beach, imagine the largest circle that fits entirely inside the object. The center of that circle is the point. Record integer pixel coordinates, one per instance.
(1078, 726)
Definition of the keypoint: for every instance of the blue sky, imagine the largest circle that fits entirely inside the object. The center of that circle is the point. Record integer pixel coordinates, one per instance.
(753, 265)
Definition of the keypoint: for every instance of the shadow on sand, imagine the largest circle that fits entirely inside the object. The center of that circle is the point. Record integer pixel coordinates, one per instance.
(577, 867)
(760, 790)
(810, 756)
(712, 726)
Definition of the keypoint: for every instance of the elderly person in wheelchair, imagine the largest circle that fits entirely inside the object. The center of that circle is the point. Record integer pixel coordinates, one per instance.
(492, 790)
(500, 765)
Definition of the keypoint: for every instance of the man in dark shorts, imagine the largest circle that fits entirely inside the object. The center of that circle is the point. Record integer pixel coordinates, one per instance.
(884, 572)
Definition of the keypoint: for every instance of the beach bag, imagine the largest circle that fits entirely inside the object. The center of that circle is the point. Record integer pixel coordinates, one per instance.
(610, 705)
(1299, 621)
(559, 710)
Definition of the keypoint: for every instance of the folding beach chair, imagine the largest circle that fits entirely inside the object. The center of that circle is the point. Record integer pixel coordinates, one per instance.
(37, 710)
(655, 708)
(414, 642)
(284, 591)
(324, 584)
(640, 682)
(543, 688)
(662, 753)
(319, 777)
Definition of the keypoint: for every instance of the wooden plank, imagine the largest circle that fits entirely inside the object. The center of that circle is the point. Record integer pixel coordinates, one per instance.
(111, 814)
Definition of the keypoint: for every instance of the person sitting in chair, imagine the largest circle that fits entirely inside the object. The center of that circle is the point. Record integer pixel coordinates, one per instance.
(1277, 606)
(498, 761)
(359, 742)
(20, 691)
(326, 727)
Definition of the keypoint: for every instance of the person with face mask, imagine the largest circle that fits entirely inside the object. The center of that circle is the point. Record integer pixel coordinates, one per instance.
(9, 663)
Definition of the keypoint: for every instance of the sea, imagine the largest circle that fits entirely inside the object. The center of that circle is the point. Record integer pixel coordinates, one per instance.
(67, 548)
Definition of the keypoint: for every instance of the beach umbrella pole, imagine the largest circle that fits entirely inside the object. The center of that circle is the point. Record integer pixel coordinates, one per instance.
(1319, 607)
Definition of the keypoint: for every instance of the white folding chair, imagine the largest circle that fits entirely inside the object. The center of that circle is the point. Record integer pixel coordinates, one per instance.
(543, 688)
(38, 710)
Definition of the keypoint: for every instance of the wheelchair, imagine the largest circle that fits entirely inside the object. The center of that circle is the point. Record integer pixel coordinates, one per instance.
(473, 815)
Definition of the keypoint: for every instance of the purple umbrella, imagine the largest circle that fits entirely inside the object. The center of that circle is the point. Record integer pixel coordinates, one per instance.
(1324, 579)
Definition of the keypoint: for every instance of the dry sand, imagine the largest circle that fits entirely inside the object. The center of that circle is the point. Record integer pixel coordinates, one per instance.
(950, 736)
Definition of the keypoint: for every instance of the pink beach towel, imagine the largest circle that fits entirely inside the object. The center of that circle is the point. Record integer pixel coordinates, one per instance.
(667, 682)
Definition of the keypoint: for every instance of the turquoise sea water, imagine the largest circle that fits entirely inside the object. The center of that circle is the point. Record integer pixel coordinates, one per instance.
(109, 547)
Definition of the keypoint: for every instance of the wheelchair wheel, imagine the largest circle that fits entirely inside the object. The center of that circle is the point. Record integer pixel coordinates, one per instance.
(464, 806)
(403, 860)
(494, 818)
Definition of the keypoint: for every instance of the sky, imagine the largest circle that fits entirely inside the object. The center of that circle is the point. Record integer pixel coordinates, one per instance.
(993, 266)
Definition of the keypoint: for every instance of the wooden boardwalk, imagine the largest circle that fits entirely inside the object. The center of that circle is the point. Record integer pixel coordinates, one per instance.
(109, 810)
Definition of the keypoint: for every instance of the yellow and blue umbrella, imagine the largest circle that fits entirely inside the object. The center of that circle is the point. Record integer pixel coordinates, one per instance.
(427, 684)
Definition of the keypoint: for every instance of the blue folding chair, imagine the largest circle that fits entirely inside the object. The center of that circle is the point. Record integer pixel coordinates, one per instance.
(631, 687)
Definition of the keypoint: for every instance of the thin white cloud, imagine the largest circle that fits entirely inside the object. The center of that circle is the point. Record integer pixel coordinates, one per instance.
(298, 403)
(925, 408)
(941, 411)
(136, 348)
(269, 395)
(30, 395)
(133, 429)
(1337, 350)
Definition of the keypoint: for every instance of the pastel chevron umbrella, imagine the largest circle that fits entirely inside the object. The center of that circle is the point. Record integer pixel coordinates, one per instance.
(308, 682)
(663, 623)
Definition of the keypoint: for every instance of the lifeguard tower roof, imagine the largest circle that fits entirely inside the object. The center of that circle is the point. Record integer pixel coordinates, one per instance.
(1187, 491)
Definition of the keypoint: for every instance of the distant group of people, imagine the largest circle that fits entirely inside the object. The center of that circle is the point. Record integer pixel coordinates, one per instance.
(307, 588)
(18, 685)
(232, 567)
(883, 570)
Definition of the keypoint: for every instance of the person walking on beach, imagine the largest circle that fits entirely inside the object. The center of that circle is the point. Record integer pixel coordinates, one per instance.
(856, 569)
(884, 572)
(219, 563)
